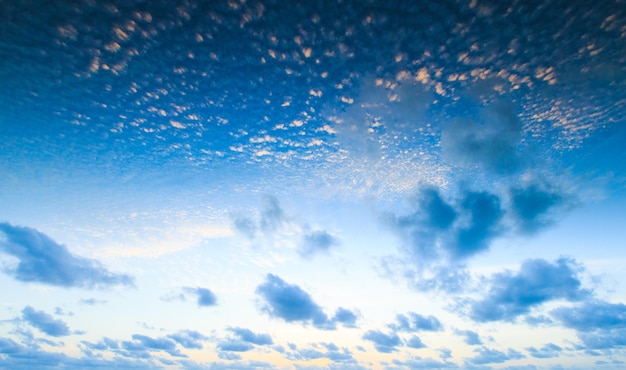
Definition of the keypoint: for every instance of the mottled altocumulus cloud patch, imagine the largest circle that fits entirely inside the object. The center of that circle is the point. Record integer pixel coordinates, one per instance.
(42, 260)
(291, 303)
(538, 281)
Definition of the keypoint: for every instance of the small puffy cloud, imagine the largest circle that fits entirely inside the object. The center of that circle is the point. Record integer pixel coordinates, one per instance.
(530, 206)
(491, 143)
(415, 342)
(538, 281)
(45, 322)
(235, 346)
(599, 324)
(345, 317)
(249, 336)
(471, 337)
(204, 297)
(41, 259)
(384, 343)
(292, 304)
(492, 356)
(412, 322)
(316, 242)
(550, 350)
(189, 339)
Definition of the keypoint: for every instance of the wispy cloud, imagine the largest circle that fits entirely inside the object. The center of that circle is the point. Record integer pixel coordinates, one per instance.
(204, 297)
(413, 322)
(292, 304)
(42, 260)
(316, 242)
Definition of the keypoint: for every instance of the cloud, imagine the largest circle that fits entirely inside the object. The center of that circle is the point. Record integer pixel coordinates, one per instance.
(316, 242)
(549, 350)
(43, 260)
(491, 143)
(599, 324)
(189, 339)
(245, 226)
(203, 296)
(412, 322)
(530, 206)
(235, 346)
(483, 217)
(537, 282)
(292, 304)
(492, 356)
(471, 337)
(45, 322)
(249, 336)
(345, 317)
(415, 342)
(384, 343)
(272, 215)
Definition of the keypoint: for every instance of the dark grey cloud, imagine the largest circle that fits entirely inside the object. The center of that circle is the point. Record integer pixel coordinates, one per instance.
(41, 259)
(292, 304)
(249, 336)
(531, 206)
(599, 324)
(549, 350)
(413, 322)
(492, 356)
(538, 281)
(316, 242)
(384, 343)
(491, 143)
(471, 337)
(45, 322)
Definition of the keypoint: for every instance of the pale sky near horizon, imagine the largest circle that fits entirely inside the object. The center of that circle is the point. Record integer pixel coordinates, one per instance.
(313, 185)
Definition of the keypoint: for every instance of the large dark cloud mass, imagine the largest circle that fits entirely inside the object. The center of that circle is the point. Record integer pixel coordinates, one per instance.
(538, 281)
(292, 304)
(42, 260)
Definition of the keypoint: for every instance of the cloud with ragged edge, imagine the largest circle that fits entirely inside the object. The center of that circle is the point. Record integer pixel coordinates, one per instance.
(243, 340)
(538, 281)
(291, 303)
(600, 325)
(471, 337)
(383, 342)
(273, 220)
(42, 260)
(413, 322)
(439, 235)
(490, 143)
(45, 323)
(549, 350)
(204, 297)
(491, 356)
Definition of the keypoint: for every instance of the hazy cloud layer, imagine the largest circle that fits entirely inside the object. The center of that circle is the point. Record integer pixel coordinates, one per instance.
(42, 260)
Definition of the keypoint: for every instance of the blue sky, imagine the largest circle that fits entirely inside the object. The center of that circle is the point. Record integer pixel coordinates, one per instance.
(329, 185)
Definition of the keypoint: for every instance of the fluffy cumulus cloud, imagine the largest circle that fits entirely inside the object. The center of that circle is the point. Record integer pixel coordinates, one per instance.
(247, 335)
(538, 281)
(532, 204)
(142, 346)
(491, 356)
(45, 322)
(550, 350)
(291, 303)
(41, 259)
(385, 343)
(412, 322)
(491, 143)
(599, 324)
(471, 337)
